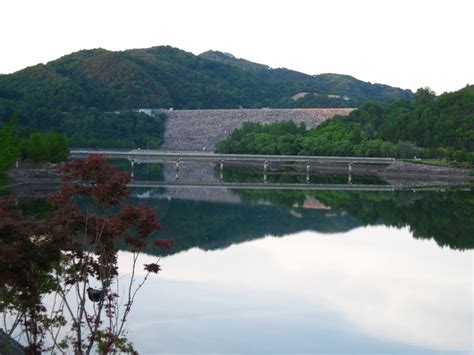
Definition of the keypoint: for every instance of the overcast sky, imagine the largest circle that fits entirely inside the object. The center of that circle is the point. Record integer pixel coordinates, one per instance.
(404, 43)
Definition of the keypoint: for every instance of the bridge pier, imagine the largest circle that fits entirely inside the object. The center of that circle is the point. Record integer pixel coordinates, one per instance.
(221, 175)
(349, 177)
(132, 172)
(177, 169)
(308, 168)
(265, 167)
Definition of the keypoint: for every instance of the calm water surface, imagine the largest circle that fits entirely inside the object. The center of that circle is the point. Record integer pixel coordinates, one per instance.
(256, 271)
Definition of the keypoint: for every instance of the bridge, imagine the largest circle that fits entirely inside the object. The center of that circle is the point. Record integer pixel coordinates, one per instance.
(157, 156)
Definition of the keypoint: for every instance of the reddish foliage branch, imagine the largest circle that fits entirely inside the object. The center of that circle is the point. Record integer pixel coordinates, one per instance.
(70, 250)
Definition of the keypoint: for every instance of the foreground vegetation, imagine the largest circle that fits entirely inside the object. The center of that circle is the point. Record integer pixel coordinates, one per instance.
(70, 256)
(428, 127)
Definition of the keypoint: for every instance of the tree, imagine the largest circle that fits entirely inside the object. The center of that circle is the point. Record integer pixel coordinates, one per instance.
(36, 149)
(424, 95)
(71, 257)
(8, 145)
(57, 147)
(407, 150)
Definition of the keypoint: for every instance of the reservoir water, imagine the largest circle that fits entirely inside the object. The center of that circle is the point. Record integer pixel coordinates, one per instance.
(291, 262)
(290, 271)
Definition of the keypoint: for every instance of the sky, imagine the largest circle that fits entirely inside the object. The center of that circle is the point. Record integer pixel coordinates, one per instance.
(403, 43)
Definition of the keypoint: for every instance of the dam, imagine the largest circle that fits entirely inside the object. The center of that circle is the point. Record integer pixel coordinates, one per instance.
(200, 130)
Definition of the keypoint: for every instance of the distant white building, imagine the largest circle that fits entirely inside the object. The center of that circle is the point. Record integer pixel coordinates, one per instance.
(146, 111)
(152, 112)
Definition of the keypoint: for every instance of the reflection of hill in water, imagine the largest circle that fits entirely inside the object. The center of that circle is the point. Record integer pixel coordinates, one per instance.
(210, 225)
(447, 217)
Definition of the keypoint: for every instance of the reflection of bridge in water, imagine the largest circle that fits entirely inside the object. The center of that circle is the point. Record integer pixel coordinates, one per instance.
(277, 186)
(224, 192)
(153, 156)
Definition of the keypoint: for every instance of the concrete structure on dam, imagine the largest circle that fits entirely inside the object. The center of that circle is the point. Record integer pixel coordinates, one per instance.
(200, 130)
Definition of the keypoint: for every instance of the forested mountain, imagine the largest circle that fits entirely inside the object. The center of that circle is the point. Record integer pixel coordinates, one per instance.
(89, 95)
(169, 77)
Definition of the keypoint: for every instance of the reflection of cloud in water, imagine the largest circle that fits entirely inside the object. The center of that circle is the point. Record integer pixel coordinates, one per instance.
(371, 283)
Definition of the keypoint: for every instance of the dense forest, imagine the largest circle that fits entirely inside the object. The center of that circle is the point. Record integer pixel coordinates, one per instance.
(428, 126)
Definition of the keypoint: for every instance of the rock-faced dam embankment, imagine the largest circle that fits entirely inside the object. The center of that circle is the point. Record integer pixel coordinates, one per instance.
(198, 130)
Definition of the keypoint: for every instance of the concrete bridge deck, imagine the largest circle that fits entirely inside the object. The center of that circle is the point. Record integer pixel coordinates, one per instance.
(261, 186)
